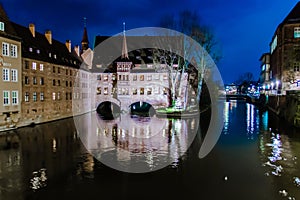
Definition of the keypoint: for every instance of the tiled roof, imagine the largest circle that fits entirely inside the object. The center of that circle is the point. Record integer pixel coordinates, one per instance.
(39, 48)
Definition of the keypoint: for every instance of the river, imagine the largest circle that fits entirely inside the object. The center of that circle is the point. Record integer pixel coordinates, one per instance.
(256, 157)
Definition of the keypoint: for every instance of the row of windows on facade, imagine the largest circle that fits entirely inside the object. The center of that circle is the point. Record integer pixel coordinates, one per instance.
(9, 50)
(55, 96)
(10, 75)
(13, 100)
(54, 56)
(54, 69)
(134, 91)
(134, 77)
(42, 82)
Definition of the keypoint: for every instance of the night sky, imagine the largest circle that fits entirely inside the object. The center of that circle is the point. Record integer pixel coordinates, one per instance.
(243, 28)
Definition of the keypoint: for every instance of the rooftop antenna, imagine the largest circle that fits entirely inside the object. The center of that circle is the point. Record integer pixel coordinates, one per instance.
(84, 22)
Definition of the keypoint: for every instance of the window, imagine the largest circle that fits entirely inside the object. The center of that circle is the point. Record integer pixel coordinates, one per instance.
(105, 78)
(34, 80)
(1, 26)
(30, 49)
(134, 77)
(149, 77)
(26, 96)
(14, 96)
(58, 82)
(34, 65)
(34, 97)
(297, 32)
(98, 90)
(53, 96)
(67, 83)
(113, 77)
(296, 67)
(38, 51)
(134, 91)
(14, 75)
(142, 91)
(66, 71)
(149, 91)
(165, 91)
(274, 44)
(13, 50)
(58, 96)
(70, 95)
(53, 82)
(6, 98)
(141, 77)
(26, 80)
(53, 69)
(105, 91)
(5, 47)
(42, 96)
(165, 77)
(26, 64)
(41, 67)
(67, 96)
(42, 81)
(70, 84)
(5, 73)
(58, 70)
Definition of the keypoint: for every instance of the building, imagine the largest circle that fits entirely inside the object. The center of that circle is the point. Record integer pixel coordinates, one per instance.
(11, 69)
(133, 76)
(266, 86)
(285, 53)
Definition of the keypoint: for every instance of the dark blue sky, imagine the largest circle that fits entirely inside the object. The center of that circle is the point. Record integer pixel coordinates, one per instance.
(243, 28)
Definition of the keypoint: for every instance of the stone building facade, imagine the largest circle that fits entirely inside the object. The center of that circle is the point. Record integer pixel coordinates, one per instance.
(10, 81)
(284, 53)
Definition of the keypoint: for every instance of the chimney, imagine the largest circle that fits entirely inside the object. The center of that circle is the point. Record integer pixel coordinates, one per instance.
(32, 29)
(68, 45)
(48, 35)
(77, 50)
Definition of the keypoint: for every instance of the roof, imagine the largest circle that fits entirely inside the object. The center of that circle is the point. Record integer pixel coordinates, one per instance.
(39, 48)
(294, 15)
(112, 48)
(9, 30)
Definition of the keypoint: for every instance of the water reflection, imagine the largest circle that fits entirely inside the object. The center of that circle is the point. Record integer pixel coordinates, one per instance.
(135, 143)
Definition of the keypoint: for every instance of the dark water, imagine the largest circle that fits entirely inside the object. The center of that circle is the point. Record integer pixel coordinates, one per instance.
(256, 157)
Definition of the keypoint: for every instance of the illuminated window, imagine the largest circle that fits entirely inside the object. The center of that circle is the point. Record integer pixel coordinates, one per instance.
(165, 91)
(149, 77)
(6, 98)
(5, 47)
(141, 91)
(141, 77)
(105, 92)
(274, 44)
(5, 74)
(98, 90)
(149, 91)
(14, 51)
(1, 26)
(53, 96)
(33, 65)
(105, 78)
(58, 96)
(14, 96)
(297, 32)
(41, 67)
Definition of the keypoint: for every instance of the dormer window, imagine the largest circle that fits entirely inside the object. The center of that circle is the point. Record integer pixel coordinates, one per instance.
(1, 26)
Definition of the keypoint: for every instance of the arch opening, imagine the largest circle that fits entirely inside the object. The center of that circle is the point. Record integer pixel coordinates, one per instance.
(108, 110)
(142, 109)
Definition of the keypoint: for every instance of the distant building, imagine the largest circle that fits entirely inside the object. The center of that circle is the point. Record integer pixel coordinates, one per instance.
(11, 71)
(285, 53)
(133, 77)
(265, 77)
